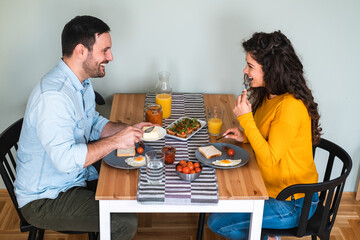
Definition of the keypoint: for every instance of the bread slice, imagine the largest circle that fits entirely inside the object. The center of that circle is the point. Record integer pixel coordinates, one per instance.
(210, 151)
(129, 152)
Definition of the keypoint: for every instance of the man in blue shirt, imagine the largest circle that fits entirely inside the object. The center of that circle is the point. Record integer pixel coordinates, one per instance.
(62, 136)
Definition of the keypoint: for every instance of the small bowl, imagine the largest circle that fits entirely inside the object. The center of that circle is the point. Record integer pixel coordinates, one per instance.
(187, 177)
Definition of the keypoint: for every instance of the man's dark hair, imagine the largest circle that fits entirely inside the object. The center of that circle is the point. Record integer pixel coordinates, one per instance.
(81, 29)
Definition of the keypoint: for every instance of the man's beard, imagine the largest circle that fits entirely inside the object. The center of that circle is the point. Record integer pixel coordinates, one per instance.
(92, 69)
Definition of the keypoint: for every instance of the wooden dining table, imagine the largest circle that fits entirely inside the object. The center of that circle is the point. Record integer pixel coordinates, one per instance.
(240, 189)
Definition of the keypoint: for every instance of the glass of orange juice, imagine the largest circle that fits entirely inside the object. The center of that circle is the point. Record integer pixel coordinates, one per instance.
(215, 120)
(164, 99)
(163, 93)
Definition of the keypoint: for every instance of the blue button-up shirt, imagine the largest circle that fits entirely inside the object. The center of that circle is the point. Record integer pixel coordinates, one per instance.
(59, 121)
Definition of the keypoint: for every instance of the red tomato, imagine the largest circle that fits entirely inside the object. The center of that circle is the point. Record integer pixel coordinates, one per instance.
(179, 168)
(231, 152)
(196, 165)
(191, 166)
(197, 169)
(182, 162)
(186, 170)
(140, 150)
(192, 172)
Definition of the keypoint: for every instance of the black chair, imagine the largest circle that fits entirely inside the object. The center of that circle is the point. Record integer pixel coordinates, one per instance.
(331, 189)
(99, 99)
(8, 147)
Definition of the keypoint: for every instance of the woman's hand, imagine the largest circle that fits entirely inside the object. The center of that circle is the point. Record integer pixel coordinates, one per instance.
(236, 134)
(242, 105)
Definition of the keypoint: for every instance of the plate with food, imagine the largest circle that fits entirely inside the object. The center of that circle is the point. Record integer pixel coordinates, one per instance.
(184, 128)
(131, 158)
(222, 155)
(153, 133)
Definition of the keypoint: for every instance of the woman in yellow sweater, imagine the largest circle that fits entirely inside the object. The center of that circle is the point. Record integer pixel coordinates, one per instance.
(281, 124)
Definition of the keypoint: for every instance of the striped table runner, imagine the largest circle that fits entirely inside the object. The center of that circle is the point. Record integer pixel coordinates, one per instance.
(173, 190)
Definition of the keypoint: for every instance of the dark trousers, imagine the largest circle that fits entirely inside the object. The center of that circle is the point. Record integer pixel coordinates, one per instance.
(77, 210)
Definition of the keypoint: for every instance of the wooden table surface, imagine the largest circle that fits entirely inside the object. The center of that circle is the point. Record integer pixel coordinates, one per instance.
(234, 184)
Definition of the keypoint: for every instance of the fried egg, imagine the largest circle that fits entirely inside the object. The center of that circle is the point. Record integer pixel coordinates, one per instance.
(226, 162)
(137, 161)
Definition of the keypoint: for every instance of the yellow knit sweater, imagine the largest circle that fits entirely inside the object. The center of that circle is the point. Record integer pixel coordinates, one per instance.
(280, 135)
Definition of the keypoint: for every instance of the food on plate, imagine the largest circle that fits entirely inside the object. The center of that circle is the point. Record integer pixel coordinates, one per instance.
(140, 150)
(128, 152)
(231, 152)
(188, 167)
(151, 135)
(183, 127)
(210, 151)
(137, 161)
(226, 162)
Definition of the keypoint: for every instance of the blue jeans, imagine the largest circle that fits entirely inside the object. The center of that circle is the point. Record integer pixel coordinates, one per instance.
(277, 215)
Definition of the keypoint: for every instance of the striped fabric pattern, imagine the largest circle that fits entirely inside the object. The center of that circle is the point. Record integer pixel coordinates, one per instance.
(173, 190)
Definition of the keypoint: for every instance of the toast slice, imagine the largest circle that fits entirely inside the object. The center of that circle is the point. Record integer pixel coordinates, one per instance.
(129, 152)
(210, 151)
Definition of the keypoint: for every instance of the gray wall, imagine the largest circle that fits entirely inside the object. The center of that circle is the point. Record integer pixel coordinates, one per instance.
(199, 42)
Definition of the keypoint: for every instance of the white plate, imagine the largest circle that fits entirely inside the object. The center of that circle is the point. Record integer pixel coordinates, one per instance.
(162, 133)
(202, 124)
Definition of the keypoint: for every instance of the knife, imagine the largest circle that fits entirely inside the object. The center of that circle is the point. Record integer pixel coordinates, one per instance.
(149, 129)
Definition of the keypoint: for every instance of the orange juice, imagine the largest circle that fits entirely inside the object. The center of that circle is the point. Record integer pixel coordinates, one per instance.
(164, 100)
(214, 125)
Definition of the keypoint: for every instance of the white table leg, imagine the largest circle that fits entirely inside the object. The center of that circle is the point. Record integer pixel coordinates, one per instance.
(104, 218)
(256, 220)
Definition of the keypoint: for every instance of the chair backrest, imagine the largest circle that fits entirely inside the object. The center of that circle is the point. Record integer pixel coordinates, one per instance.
(321, 223)
(331, 189)
(8, 147)
(99, 99)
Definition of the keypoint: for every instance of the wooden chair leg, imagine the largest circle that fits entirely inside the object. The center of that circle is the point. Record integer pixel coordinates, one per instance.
(200, 229)
(358, 192)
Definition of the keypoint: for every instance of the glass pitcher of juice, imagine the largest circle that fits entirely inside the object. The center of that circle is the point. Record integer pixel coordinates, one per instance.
(163, 94)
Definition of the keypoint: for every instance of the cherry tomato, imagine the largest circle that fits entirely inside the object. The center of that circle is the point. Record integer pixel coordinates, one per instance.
(140, 150)
(179, 168)
(192, 172)
(196, 165)
(182, 162)
(197, 169)
(191, 166)
(231, 152)
(186, 170)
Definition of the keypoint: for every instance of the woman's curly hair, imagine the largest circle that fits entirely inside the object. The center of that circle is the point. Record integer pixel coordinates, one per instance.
(283, 73)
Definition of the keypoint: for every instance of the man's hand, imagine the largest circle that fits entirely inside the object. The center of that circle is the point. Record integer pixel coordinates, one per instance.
(128, 137)
(144, 124)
